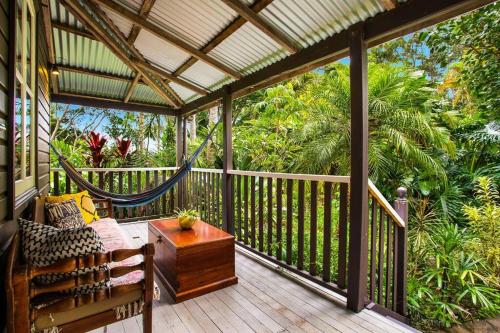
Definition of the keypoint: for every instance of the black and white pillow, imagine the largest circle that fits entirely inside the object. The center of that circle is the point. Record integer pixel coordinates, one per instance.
(64, 215)
(44, 245)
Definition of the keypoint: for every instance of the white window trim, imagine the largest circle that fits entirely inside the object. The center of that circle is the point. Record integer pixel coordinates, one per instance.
(27, 88)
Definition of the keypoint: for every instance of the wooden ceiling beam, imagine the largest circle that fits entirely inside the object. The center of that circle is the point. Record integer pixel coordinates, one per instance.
(73, 30)
(389, 4)
(406, 18)
(47, 23)
(221, 36)
(110, 103)
(168, 37)
(108, 34)
(146, 7)
(264, 26)
(131, 88)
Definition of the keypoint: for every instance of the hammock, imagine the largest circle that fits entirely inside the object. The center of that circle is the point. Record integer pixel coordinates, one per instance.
(136, 199)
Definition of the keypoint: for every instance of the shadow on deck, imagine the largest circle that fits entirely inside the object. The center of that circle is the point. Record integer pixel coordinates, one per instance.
(262, 301)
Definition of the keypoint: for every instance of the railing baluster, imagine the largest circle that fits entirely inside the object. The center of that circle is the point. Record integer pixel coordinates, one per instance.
(147, 187)
(313, 228)
(90, 177)
(343, 212)
(100, 181)
(289, 220)
(212, 200)
(279, 217)
(56, 183)
(270, 216)
(300, 226)
(245, 198)
(401, 206)
(252, 210)
(261, 214)
(121, 211)
(327, 231)
(388, 264)
(140, 209)
(68, 185)
(238, 205)
(394, 266)
(219, 194)
(130, 185)
(156, 203)
(373, 250)
(381, 246)
(172, 195)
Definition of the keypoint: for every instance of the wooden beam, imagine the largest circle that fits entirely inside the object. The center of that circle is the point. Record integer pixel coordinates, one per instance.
(147, 66)
(389, 4)
(221, 36)
(108, 34)
(227, 161)
(131, 88)
(108, 103)
(85, 71)
(273, 33)
(358, 227)
(143, 12)
(73, 30)
(47, 23)
(406, 18)
(168, 37)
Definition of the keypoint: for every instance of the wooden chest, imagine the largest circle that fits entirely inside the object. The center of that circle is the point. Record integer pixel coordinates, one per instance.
(192, 262)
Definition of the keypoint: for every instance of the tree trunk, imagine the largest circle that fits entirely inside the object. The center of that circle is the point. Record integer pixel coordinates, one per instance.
(192, 128)
(141, 130)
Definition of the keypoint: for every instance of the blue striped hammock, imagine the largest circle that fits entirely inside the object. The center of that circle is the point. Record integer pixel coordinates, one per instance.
(136, 199)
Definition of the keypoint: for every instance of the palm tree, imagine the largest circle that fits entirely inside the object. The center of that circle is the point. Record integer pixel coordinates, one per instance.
(401, 127)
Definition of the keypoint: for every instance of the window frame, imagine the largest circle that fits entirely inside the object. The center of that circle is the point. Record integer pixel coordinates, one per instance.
(25, 182)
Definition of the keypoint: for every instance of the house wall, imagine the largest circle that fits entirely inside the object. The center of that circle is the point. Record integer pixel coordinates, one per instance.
(10, 208)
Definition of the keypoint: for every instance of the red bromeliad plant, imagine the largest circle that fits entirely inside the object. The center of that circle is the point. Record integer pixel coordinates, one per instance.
(123, 145)
(96, 143)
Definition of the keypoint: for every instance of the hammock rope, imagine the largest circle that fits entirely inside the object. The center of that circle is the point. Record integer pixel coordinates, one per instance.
(136, 199)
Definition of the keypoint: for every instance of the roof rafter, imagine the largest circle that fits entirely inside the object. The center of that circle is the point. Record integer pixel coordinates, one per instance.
(108, 34)
(221, 36)
(146, 7)
(407, 17)
(143, 12)
(156, 70)
(168, 37)
(47, 22)
(273, 33)
(389, 4)
(85, 71)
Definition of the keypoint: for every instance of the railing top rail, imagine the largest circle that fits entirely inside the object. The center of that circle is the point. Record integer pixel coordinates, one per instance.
(207, 170)
(326, 178)
(117, 169)
(382, 201)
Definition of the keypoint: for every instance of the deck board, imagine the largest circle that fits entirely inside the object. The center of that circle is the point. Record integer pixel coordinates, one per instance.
(263, 301)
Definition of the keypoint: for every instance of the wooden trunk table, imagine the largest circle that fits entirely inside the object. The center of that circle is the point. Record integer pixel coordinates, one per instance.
(192, 262)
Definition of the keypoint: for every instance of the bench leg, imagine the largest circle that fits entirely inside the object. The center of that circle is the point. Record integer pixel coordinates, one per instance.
(147, 318)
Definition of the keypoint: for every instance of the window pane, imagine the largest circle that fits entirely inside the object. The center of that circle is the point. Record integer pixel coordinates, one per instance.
(29, 112)
(28, 48)
(19, 37)
(18, 131)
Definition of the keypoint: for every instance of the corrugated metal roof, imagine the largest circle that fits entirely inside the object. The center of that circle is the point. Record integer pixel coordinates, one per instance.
(83, 84)
(197, 22)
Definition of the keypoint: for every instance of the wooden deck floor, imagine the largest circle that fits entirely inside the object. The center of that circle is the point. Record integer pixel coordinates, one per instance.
(262, 301)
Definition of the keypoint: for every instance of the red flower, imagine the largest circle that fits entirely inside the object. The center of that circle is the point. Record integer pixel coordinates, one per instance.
(96, 143)
(123, 146)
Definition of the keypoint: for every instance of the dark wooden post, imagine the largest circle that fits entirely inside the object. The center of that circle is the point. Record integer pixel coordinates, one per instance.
(227, 160)
(401, 207)
(358, 237)
(179, 153)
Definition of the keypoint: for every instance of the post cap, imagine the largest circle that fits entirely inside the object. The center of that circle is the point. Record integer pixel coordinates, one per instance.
(401, 191)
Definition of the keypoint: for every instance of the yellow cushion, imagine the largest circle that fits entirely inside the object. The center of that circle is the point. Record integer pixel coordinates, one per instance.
(83, 201)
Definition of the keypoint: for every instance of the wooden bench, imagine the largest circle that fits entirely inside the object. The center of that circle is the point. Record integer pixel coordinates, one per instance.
(27, 301)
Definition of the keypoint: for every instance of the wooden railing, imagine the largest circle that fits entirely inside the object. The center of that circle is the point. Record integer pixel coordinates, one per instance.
(297, 221)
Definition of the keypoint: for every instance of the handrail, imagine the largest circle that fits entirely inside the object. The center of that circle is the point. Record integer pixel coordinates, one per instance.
(382, 201)
(326, 178)
(118, 169)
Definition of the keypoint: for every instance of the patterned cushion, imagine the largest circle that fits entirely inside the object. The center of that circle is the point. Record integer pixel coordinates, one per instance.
(44, 245)
(64, 215)
(83, 201)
